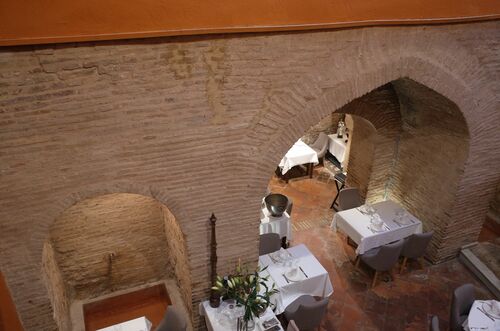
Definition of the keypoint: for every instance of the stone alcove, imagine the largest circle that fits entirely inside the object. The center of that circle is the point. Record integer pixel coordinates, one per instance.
(109, 244)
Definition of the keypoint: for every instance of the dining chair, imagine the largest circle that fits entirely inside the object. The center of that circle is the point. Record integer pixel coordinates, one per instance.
(320, 146)
(414, 248)
(269, 242)
(292, 326)
(461, 302)
(382, 258)
(349, 198)
(434, 325)
(306, 312)
(172, 321)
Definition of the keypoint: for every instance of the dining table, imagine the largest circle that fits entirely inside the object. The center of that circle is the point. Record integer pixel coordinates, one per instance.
(313, 279)
(481, 318)
(215, 322)
(357, 225)
(300, 153)
(337, 147)
(136, 324)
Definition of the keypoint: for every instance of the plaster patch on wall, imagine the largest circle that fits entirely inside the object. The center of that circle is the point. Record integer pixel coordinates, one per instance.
(179, 60)
(214, 59)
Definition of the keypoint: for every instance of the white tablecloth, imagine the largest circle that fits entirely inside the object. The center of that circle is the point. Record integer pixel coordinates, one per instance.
(300, 153)
(356, 225)
(280, 225)
(337, 147)
(214, 325)
(317, 284)
(138, 324)
(479, 321)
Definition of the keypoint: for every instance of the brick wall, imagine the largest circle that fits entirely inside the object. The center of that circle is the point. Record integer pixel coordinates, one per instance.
(129, 226)
(56, 288)
(431, 157)
(199, 124)
(361, 154)
(177, 253)
(376, 129)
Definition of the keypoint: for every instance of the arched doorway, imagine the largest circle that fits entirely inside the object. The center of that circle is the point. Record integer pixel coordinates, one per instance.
(419, 151)
(111, 243)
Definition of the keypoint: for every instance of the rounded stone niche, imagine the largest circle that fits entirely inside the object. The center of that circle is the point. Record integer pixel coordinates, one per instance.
(112, 245)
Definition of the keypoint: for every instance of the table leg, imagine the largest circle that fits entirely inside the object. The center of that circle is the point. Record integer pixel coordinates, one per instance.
(310, 167)
(337, 195)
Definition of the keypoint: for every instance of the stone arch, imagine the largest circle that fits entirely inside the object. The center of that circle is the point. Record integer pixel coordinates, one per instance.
(87, 192)
(175, 237)
(292, 110)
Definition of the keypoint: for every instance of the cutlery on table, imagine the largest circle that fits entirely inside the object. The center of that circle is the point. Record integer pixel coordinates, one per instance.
(399, 224)
(303, 272)
(286, 278)
(486, 314)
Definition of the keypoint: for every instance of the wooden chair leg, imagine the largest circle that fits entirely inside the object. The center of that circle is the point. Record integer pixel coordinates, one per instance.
(403, 264)
(374, 279)
(391, 275)
(421, 262)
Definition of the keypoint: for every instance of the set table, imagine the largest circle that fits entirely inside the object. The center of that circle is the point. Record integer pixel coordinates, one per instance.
(299, 154)
(477, 320)
(337, 146)
(356, 225)
(138, 324)
(213, 323)
(315, 282)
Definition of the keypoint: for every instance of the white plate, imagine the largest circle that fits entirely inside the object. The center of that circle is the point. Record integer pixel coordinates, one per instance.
(297, 277)
(488, 308)
(378, 230)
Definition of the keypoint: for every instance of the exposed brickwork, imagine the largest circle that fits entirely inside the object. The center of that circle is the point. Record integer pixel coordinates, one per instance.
(495, 204)
(376, 130)
(434, 144)
(56, 288)
(129, 226)
(199, 124)
(177, 253)
(361, 155)
(143, 236)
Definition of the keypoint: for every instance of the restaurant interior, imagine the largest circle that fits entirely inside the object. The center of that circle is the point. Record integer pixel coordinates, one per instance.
(327, 167)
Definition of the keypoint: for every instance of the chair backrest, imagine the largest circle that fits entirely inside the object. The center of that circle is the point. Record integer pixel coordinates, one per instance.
(289, 207)
(349, 198)
(416, 244)
(461, 302)
(269, 242)
(292, 326)
(434, 326)
(172, 321)
(321, 144)
(387, 256)
(309, 316)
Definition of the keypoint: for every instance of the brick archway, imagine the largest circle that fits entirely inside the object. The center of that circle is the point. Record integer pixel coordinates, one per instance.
(291, 111)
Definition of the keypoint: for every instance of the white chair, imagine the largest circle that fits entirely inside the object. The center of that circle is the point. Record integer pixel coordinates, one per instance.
(320, 145)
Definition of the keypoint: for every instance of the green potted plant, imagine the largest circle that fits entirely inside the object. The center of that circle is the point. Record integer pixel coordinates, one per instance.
(249, 290)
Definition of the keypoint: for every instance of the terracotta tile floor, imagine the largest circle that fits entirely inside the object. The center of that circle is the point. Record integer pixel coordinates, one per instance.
(403, 304)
